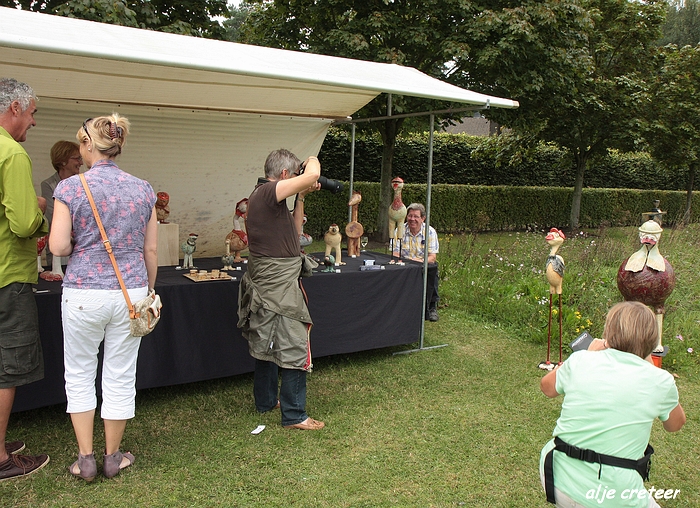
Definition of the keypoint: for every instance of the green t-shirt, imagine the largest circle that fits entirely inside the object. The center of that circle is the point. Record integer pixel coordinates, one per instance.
(21, 221)
(610, 400)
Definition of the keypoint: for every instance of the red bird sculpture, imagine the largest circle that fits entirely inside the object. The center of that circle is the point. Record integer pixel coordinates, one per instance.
(555, 276)
(646, 276)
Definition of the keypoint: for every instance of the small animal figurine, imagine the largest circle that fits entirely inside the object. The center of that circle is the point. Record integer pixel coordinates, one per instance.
(646, 276)
(329, 262)
(238, 238)
(228, 259)
(397, 213)
(188, 247)
(56, 272)
(162, 208)
(40, 246)
(304, 238)
(332, 239)
(555, 276)
(354, 229)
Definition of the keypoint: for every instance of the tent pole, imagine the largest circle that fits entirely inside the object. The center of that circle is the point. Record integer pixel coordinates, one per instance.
(352, 172)
(428, 197)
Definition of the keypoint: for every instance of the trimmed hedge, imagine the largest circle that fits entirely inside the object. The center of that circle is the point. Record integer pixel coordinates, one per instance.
(472, 160)
(476, 208)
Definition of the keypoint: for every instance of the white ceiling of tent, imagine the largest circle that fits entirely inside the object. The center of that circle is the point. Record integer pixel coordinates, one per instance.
(65, 58)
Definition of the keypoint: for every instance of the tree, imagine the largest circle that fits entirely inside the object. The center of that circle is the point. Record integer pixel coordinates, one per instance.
(186, 17)
(584, 92)
(673, 128)
(432, 36)
(682, 26)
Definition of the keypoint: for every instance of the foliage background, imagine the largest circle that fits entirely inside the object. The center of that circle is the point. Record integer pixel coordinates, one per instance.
(498, 160)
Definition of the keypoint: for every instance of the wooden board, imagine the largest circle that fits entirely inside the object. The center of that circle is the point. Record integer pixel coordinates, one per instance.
(207, 277)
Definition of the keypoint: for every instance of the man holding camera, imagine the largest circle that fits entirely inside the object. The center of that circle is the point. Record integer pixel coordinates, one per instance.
(273, 314)
(413, 247)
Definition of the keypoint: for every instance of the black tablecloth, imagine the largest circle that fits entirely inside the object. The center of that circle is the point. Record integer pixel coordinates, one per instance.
(197, 337)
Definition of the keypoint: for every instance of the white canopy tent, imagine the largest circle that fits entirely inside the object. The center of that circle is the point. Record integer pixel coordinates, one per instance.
(204, 113)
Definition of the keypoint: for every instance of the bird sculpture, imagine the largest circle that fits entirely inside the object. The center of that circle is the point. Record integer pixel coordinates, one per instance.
(397, 215)
(305, 239)
(354, 229)
(238, 238)
(332, 239)
(56, 272)
(228, 259)
(188, 247)
(162, 208)
(555, 276)
(646, 276)
(329, 262)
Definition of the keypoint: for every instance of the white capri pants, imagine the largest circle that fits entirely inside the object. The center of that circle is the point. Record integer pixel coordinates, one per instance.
(89, 316)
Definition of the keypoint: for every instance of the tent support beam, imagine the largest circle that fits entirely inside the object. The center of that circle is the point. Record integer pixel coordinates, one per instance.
(428, 197)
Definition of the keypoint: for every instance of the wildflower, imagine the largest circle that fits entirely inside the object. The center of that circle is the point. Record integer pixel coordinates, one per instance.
(690, 350)
(679, 337)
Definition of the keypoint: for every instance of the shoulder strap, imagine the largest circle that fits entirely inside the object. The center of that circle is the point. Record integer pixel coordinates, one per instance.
(108, 246)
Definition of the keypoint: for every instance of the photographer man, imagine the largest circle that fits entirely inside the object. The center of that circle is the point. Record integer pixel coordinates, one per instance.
(612, 394)
(273, 315)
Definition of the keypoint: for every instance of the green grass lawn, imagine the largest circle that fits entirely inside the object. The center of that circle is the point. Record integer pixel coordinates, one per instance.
(461, 425)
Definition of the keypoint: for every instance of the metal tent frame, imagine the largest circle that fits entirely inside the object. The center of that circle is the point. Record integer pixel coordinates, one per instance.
(429, 183)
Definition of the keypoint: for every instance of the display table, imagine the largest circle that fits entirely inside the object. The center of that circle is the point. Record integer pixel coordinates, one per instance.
(197, 338)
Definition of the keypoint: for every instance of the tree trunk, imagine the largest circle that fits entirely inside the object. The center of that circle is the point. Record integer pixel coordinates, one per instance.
(389, 129)
(581, 162)
(689, 193)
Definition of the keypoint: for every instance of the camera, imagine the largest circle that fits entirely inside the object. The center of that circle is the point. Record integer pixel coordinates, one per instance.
(333, 186)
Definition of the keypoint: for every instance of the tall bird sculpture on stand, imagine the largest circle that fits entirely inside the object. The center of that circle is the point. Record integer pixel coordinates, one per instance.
(354, 229)
(647, 277)
(397, 216)
(555, 276)
(238, 238)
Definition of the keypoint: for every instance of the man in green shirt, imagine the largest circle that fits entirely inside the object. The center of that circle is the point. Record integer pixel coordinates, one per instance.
(21, 222)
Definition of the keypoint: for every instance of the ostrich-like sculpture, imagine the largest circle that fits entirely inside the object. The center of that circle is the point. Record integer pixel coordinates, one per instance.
(354, 229)
(646, 276)
(238, 238)
(397, 215)
(228, 259)
(555, 276)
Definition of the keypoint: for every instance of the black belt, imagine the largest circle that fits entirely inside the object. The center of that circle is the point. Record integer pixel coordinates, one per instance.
(642, 465)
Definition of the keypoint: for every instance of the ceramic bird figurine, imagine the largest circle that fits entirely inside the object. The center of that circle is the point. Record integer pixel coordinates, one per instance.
(228, 259)
(354, 229)
(304, 238)
(646, 276)
(188, 247)
(332, 239)
(162, 208)
(238, 238)
(397, 214)
(555, 276)
(329, 262)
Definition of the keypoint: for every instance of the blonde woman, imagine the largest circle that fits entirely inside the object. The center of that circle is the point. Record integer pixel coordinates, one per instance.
(93, 306)
(612, 395)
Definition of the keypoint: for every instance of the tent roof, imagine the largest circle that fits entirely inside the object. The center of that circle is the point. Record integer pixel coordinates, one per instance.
(66, 58)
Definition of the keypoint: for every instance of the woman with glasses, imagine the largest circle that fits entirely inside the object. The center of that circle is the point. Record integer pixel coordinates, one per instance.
(66, 160)
(93, 306)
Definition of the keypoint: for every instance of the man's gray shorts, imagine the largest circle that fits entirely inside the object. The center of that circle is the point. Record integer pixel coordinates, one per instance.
(21, 358)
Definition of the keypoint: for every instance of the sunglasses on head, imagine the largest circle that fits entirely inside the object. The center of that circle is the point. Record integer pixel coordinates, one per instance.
(86, 129)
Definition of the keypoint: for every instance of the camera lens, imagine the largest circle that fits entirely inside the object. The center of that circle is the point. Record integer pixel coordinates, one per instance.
(330, 185)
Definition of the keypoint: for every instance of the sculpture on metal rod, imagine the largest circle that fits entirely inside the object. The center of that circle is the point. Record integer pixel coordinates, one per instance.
(555, 276)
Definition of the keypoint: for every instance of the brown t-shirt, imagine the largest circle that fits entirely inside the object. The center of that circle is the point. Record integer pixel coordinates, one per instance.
(270, 225)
